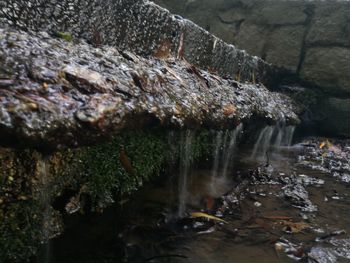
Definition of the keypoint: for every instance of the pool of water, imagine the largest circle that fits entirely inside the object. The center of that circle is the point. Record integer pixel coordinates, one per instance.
(275, 210)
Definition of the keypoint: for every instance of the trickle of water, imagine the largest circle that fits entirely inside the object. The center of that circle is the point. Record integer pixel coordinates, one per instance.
(218, 142)
(263, 143)
(284, 135)
(272, 138)
(185, 162)
(45, 201)
(229, 151)
(289, 133)
(279, 136)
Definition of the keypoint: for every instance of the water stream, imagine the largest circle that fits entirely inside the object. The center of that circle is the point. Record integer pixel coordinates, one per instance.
(262, 144)
(272, 138)
(185, 162)
(45, 203)
(230, 149)
(271, 215)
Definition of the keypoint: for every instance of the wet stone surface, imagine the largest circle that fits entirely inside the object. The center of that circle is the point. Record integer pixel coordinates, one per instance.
(138, 26)
(58, 93)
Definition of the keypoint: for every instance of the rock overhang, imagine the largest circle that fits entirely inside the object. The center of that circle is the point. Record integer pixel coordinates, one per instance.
(57, 93)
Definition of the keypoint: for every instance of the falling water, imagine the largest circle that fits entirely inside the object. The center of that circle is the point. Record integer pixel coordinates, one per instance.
(218, 142)
(263, 143)
(229, 151)
(280, 132)
(288, 138)
(43, 169)
(185, 161)
(223, 153)
(273, 137)
(284, 135)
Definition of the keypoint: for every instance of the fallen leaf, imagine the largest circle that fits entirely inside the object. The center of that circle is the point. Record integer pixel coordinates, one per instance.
(164, 50)
(126, 163)
(295, 227)
(229, 109)
(209, 203)
(204, 215)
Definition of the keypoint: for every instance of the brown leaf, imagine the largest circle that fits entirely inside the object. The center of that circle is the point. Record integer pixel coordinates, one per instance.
(229, 109)
(125, 161)
(164, 50)
(295, 227)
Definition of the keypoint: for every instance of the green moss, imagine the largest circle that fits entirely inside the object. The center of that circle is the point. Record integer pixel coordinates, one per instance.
(99, 167)
(20, 230)
(148, 153)
(65, 36)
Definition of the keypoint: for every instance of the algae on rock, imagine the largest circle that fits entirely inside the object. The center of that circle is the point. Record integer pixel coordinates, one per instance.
(105, 173)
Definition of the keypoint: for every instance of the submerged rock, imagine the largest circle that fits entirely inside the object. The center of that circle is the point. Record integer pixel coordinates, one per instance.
(58, 93)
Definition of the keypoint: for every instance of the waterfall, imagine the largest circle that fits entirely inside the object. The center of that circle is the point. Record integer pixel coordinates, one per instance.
(185, 161)
(45, 202)
(224, 151)
(263, 143)
(229, 151)
(289, 133)
(217, 143)
(272, 137)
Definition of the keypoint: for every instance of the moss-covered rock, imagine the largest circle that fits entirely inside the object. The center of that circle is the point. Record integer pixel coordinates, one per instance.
(30, 182)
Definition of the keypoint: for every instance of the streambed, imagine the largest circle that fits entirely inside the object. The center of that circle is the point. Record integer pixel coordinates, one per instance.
(293, 206)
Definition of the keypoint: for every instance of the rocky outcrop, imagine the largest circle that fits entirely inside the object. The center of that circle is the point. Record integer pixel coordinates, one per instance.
(57, 93)
(38, 191)
(138, 26)
(311, 39)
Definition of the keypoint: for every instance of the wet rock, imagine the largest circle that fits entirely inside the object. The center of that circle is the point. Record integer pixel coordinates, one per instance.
(138, 26)
(321, 255)
(58, 101)
(331, 159)
(299, 197)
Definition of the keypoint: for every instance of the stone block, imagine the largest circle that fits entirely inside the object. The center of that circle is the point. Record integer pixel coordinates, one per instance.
(252, 38)
(279, 12)
(330, 25)
(284, 47)
(328, 68)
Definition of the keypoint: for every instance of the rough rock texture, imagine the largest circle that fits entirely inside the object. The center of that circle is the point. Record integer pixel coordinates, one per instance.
(309, 38)
(55, 93)
(278, 12)
(329, 68)
(330, 25)
(283, 48)
(135, 25)
(337, 116)
(37, 191)
(252, 38)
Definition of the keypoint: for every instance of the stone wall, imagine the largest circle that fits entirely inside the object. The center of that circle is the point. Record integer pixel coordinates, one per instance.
(309, 38)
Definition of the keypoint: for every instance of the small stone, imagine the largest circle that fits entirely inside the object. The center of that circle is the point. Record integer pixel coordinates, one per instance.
(257, 204)
(279, 247)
